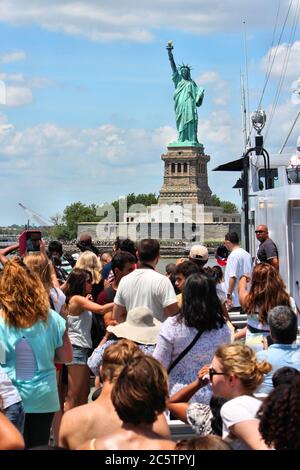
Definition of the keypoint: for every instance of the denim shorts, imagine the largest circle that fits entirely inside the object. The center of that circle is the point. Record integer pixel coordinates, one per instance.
(16, 415)
(80, 356)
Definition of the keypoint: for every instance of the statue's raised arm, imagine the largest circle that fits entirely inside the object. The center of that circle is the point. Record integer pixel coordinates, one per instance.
(170, 54)
(188, 95)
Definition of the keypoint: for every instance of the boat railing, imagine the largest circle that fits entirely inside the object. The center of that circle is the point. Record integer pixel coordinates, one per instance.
(239, 320)
(180, 430)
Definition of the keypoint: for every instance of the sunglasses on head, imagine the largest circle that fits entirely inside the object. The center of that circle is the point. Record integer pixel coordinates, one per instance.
(212, 372)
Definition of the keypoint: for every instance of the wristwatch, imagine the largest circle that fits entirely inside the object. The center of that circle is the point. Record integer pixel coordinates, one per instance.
(229, 296)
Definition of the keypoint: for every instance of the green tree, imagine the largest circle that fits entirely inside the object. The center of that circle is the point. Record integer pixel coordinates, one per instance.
(60, 232)
(229, 207)
(78, 212)
(215, 200)
(65, 226)
(132, 199)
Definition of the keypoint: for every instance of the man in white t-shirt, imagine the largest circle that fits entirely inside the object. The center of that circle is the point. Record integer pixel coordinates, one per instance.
(238, 264)
(146, 287)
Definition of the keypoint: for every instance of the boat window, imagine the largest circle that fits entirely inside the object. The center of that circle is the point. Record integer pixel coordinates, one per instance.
(273, 178)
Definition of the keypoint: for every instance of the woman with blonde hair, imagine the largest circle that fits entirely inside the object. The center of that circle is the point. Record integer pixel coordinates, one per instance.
(33, 336)
(267, 290)
(40, 264)
(235, 374)
(90, 262)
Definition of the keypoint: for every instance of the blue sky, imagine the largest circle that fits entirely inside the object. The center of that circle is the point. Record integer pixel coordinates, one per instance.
(88, 107)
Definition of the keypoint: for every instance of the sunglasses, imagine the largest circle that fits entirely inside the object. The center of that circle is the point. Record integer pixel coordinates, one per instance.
(212, 372)
(259, 231)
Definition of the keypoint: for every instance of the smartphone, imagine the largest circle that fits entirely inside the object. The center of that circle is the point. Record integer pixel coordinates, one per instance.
(29, 241)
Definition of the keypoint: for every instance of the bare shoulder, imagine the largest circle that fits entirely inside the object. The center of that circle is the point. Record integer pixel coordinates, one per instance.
(130, 440)
(164, 444)
(74, 423)
(76, 305)
(87, 421)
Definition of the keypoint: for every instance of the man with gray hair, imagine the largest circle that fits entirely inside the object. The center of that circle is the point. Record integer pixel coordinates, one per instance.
(284, 351)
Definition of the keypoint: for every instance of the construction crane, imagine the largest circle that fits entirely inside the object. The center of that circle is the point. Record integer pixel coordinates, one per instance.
(33, 215)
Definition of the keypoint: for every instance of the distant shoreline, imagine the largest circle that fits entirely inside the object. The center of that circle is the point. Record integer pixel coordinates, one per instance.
(165, 251)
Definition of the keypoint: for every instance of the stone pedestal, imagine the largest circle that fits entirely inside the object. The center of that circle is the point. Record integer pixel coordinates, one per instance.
(185, 176)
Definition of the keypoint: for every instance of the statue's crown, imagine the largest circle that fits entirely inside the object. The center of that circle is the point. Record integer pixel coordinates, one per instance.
(184, 66)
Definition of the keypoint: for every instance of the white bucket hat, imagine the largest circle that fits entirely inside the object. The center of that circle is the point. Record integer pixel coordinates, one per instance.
(140, 326)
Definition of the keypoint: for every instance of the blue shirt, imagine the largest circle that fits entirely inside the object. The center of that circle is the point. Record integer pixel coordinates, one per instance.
(278, 355)
(106, 270)
(39, 393)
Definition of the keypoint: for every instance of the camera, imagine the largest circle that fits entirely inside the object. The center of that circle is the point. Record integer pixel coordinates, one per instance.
(29, 241)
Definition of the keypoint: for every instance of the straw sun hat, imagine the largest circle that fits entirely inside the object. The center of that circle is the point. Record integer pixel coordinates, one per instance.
(140, 326)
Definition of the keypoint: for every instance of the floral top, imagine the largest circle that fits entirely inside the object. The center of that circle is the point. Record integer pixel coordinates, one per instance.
(173, 338)
(199, 416)
(95, 360)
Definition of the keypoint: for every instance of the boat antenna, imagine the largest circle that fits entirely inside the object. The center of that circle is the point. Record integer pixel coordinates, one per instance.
(247, 123)
(244, 113)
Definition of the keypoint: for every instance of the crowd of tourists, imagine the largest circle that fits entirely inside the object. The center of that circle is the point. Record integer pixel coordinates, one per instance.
(157, 347)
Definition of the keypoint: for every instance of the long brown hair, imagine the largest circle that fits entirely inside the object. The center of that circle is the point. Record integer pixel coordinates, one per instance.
(23, 297)
(75, 284)
(267, 290)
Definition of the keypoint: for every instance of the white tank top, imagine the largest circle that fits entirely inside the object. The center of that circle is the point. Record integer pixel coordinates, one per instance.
(79, 329)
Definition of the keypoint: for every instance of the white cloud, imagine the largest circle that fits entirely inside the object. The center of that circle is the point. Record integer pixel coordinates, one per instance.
(293, 66)
(136, 20)
(108, 145)
(12, 77)
(97, 164)
(91, 165)
(18, 96)
(218, 87)
(14, 56)
(39, 82)
(18, 88)
(219, 129)
(280, 127)
(2, 92)
(5, 127)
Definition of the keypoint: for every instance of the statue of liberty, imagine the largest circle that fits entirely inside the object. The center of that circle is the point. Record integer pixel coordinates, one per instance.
(188, 95)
